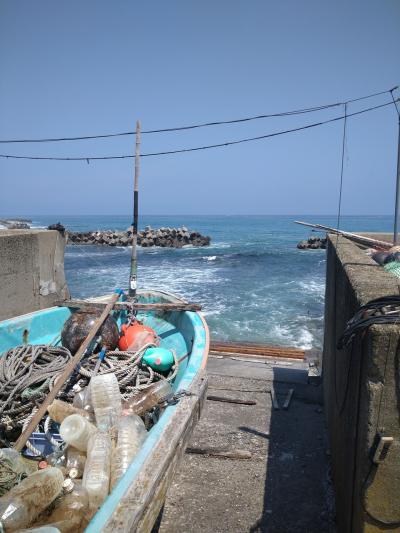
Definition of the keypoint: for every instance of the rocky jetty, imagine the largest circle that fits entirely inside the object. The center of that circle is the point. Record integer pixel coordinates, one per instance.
(313, 243)
(164, 237)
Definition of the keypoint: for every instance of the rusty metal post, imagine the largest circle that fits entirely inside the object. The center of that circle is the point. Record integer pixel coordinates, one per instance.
(397, 204)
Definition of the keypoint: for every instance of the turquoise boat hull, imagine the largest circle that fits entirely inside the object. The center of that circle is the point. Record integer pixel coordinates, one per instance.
(138, 497)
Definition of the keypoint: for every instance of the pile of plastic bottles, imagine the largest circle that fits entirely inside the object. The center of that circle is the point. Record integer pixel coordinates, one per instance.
(103, 434)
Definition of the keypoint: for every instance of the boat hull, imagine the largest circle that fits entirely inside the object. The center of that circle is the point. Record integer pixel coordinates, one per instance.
(138, 497)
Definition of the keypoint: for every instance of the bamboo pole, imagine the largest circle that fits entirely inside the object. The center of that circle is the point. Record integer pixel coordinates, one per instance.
(133, 272)
(367, 241)
(69, 368)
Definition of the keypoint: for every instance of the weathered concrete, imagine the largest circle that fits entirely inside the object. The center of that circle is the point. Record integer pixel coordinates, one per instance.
(31, 271)
(361, 393)
(284, 487)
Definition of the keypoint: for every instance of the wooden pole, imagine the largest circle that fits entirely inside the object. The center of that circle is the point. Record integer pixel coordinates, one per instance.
(133, 272)
(65, 375)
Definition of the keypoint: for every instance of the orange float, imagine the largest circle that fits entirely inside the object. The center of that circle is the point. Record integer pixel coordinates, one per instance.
(136, 335)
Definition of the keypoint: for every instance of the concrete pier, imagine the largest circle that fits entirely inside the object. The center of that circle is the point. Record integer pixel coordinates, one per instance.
(361, 394)
(285, 486)
(31, 271)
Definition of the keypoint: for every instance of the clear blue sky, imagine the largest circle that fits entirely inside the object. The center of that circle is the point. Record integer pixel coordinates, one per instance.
(85, 67)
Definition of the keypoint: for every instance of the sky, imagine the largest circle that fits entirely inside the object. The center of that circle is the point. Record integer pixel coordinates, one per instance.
(72, 68)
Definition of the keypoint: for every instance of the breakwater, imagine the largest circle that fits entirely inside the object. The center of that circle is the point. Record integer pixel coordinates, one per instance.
(163, 237)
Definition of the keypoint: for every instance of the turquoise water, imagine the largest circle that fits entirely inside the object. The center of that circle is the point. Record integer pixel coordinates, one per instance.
(252, 281)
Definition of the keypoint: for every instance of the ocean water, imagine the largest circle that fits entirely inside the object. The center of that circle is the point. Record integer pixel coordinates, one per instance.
(253, 283)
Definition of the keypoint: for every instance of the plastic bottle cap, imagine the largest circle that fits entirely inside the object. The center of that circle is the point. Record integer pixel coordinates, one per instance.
(42, 465)
(68, 485)
(73, 473)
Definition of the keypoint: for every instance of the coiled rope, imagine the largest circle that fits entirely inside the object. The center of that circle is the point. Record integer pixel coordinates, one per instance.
(28, 373)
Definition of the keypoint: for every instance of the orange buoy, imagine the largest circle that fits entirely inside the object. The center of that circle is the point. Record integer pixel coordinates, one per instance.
(136, 335)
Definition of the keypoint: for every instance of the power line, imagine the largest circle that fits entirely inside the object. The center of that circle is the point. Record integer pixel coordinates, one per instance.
(207, 147)
(202, 125)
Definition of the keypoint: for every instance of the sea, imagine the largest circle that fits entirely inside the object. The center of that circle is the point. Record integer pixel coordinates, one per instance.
(252, 281)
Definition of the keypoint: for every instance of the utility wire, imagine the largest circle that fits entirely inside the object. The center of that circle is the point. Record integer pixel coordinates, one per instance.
(341, 171)
(202, 125)
(195, 149)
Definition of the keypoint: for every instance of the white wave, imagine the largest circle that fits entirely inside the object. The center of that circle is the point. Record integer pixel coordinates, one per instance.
(315, 287)
(209, 257)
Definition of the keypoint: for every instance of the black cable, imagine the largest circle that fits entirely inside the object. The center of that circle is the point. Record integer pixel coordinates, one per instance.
(341, 171)
(202, 125)
(207, 147)
(395, 101)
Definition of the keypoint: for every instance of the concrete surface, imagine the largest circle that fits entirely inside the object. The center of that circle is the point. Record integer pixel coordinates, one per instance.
(361, 393)
(31, 271)
(284, 487)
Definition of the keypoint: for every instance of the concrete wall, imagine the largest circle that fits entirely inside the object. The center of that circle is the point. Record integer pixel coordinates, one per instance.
(361, 394)
(31, 271)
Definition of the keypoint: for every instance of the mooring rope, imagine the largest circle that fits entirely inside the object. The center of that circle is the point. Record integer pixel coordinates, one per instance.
(29, 372)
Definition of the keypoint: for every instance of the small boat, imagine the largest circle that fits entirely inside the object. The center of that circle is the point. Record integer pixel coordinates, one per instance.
(138, 498)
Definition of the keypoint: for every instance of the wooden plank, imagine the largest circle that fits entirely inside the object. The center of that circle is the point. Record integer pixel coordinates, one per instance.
(87, 304)
(275, 402)
(288, 399)
(231, 400)
(256, 350)
(65, 375)
(139, 507)
(219, 452)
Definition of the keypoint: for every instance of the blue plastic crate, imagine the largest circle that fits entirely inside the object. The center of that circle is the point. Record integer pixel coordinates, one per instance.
(41, 443)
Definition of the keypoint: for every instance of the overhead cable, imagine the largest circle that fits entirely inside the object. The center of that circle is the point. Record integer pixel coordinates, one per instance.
(207, 147)
(202, 125)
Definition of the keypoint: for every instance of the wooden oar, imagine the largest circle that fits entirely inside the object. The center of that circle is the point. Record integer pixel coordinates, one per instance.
(65, 374)
(367, 241)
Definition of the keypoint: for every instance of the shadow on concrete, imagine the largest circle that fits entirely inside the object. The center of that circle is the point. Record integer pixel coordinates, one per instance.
(297, 496)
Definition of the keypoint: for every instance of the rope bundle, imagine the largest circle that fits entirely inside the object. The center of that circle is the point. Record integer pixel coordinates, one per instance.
(26, 376)
(28, 373)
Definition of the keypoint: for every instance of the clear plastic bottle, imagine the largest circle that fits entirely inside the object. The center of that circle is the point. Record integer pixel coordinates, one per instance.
(13, 459)
(148, 398)
(131, 434)
(71, 510)
(83, 400)
(96, 477)
(76, 460)
(23, 503)
(59, 410)
(106, 400)
(76, 430)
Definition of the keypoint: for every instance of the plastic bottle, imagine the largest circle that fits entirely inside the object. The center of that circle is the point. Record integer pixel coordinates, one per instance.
(148, 398)
(23, 503)
(76, 460)
(131, 434)
(13, 459)
(96, 477)
(59, 410)
(83, 399)
(57, 459)
(71, 510)
(106, 400)
(76, 430)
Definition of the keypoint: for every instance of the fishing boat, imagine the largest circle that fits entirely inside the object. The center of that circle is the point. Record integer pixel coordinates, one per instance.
(138, 497)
